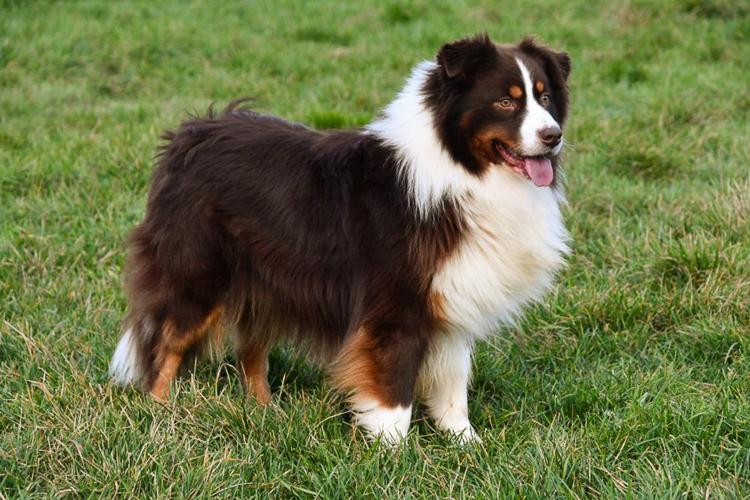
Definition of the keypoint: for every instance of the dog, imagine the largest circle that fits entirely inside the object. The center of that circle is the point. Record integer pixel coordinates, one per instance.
(384, 252)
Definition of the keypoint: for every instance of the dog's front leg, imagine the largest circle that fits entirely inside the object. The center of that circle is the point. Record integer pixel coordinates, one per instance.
(443, 383)
(378, 367)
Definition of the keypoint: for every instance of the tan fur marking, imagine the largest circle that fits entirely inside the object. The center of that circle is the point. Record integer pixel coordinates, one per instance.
(489, 134)
(180, 341)
(539, 86)
(483, 143)
(436, 303)
(167, 373)
(516, 92)
(354, 371)
(254, 367)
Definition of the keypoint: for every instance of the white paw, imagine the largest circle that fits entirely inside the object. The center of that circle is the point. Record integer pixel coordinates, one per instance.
(460, 427)
(389, 424)
(467, 435)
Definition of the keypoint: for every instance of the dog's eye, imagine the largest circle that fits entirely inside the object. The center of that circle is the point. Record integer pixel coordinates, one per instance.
(506, 103)
(544, 99)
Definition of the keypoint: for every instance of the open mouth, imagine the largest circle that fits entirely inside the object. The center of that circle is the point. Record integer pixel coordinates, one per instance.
(538, 169)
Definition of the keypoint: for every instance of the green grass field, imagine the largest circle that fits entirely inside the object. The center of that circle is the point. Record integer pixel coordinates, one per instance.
(633, 378)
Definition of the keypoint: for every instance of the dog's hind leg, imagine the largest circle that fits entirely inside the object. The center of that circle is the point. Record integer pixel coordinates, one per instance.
(169, 351)
(154, 346)
(253, 341)
(166, 373)
(253, 365)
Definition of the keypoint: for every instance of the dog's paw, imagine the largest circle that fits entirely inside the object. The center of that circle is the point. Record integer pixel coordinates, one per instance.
(460, 428)
(466, 435)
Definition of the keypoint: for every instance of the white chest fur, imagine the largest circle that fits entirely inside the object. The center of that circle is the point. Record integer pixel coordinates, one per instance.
(516, 241)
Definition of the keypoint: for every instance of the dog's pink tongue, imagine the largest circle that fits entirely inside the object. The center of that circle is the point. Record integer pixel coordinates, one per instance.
(540, 171)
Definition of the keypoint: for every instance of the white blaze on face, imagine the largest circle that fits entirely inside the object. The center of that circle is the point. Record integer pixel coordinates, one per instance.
(535, 120)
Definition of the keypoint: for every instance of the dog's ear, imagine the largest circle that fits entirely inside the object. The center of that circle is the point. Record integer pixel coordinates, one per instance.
(462, 58)
(563, 61)
(557, 63)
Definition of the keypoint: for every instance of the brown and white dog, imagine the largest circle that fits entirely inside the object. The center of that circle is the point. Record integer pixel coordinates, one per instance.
(387, 252)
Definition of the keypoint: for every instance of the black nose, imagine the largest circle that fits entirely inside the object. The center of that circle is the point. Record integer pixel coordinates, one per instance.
(550, 136)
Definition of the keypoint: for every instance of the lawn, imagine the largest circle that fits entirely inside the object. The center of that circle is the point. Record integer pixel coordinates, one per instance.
(632, 378)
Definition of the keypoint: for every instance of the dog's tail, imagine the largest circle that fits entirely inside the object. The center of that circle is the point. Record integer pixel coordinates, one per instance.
(127, 365)
(134, 361)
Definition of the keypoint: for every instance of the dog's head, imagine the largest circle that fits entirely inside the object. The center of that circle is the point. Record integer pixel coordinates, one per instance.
(498, 106)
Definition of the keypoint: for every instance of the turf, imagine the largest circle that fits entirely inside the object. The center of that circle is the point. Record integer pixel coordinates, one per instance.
(631, 379)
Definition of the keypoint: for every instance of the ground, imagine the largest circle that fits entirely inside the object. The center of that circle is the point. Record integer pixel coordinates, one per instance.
(631, 378)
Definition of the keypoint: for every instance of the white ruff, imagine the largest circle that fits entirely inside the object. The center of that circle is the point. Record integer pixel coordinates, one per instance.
(123, 367)
(426, 166)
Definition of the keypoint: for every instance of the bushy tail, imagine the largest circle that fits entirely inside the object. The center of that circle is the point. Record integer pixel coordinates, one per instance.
(124, 367)
(132, 363)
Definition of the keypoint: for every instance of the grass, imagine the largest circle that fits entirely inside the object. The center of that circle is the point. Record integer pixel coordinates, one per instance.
(632, 379)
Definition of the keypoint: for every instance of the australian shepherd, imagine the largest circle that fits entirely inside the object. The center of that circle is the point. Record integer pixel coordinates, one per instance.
(386, 252)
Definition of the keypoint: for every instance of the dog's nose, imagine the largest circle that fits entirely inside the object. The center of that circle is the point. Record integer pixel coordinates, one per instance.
(550, 136)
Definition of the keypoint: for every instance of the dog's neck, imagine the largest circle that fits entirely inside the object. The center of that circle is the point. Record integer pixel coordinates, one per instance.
(425, 166)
